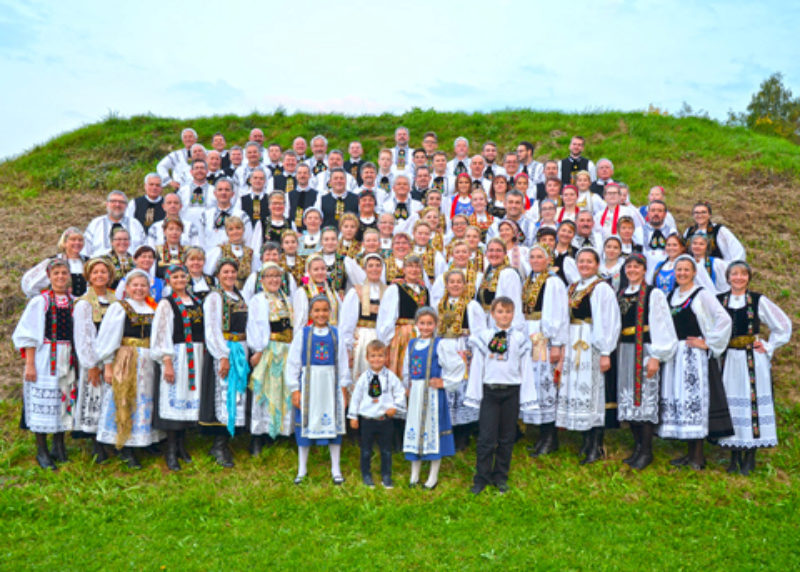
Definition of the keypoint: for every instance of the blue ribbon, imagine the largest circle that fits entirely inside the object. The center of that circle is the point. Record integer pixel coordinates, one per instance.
(237, 380)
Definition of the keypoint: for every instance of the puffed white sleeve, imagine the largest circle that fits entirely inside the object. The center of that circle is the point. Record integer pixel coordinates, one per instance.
(163, 169)
(343, 359)
(474, 392)
(249, 288)
(356, 397)
(780, 326)
(571, 270)
(509, 284)
(294, 363)
(663, 338)
(406, 372)
(476, 318)
(437, 291)
(255, 240)
(354, 272)
(453, 366)
(721, 283)
(702, 278)
(84, 334)
(109, 336)
(555, 312)
(606, 321)
(137, 233)
(35, 280)
(398, 392)
(88, 239)
(714, 321)
(348, 318)
(730, 246)
(29, 332)
(212, 258)
(258, 328)
(161, 338)
(212, 323)
(300, 310)
(439, 264)
(388, 311)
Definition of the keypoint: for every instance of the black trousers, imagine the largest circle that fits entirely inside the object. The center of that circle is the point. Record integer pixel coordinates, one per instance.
(383, 430)
(497, 432)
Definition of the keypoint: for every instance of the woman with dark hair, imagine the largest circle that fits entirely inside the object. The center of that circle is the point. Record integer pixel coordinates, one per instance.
(721, 241)
(703, 327)
(746, 372)
(497, 197)
(593, 334)
(564, 253)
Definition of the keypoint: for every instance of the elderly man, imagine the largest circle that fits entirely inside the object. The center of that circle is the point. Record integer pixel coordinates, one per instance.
(568, 167)
(356, 160)
(477, 166)
(197, 195)
(460, 163)
(422, 184)
(212, 221)
(335, 161)
(215, 170)
(300, 146)
(148, 208)
(605, 174)
(252, 154)
(319, 159)
(338, 200)
(97, 238)
(401, 152)
(527, 164)
(585, 234)
(257, 137)
(182, 173)
(175, 159)
(254, 200)
(172, 209)
(401, 205)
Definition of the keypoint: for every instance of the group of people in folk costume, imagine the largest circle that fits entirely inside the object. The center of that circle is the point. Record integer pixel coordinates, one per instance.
(422, 300)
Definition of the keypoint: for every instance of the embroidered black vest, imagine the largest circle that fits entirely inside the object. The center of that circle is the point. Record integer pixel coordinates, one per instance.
(684, 318)
(629, 306)
(195, 313)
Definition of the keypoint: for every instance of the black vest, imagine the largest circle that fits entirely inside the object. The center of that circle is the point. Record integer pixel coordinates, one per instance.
(280, 182)
(195, 315)
(302, 201)
(136, 325)
(248, 203)
(225, 163)
(597, 188)
(362, 226)
(408, 307)
(569, 167)
(584, 309)
(142, 205)
(354, 168)
(328, 205)
(271, 233)
(537, 306)
(713, 246)
(79, 285)
(739, 316)
(63, 324)
(238, 314)
(541, 194)
(684, 319)
(630, 304)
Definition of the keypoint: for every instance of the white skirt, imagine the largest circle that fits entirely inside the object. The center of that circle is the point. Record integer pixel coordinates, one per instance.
(736, 380)
(460, 414)
(46, 400)
(581, 403)
(546, 390)
(90, 402)
(143, 433)
(627, 410)
(176, 401)
(684, 395)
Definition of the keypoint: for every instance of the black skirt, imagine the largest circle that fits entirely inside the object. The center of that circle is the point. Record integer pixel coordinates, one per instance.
(612, 421)
(719, 417)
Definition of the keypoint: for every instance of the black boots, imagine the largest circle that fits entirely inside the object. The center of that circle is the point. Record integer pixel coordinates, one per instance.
(221, 451)
(636, 429)
(183, 454)
(594, 447)
(257, 444)
(697, 460)
(586, 443)
(548, 440)
(748, 462)
(645, 454)
(59, 450)
(126, 454)
(736, 461)
(42, 455)
(171, 454)
(98, 452)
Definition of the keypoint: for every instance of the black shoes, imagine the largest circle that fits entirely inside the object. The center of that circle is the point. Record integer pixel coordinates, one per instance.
(368, 481)
(59, 450)
(126, 454)
(183, 454)
(222, 452)
(477, 489)
(171, 454)
(548, 441)
(595, 450)
(748, 462)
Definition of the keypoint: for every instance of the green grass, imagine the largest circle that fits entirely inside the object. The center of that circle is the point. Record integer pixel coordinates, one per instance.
(557, 516)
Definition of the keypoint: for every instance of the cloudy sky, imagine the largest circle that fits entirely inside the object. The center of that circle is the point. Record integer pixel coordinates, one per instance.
(68, 63)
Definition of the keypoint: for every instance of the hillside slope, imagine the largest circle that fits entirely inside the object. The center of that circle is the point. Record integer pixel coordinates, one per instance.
(753, 182)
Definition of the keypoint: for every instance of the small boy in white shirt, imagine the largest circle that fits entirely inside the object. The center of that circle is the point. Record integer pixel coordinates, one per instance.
(377, 397)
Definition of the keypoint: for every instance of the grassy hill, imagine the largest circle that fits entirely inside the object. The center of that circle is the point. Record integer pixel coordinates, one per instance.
(558, 515)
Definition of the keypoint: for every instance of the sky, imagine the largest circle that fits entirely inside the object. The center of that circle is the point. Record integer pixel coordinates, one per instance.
(68, 63)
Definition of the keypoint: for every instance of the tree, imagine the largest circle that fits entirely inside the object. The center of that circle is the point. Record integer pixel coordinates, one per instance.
(772, 110)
